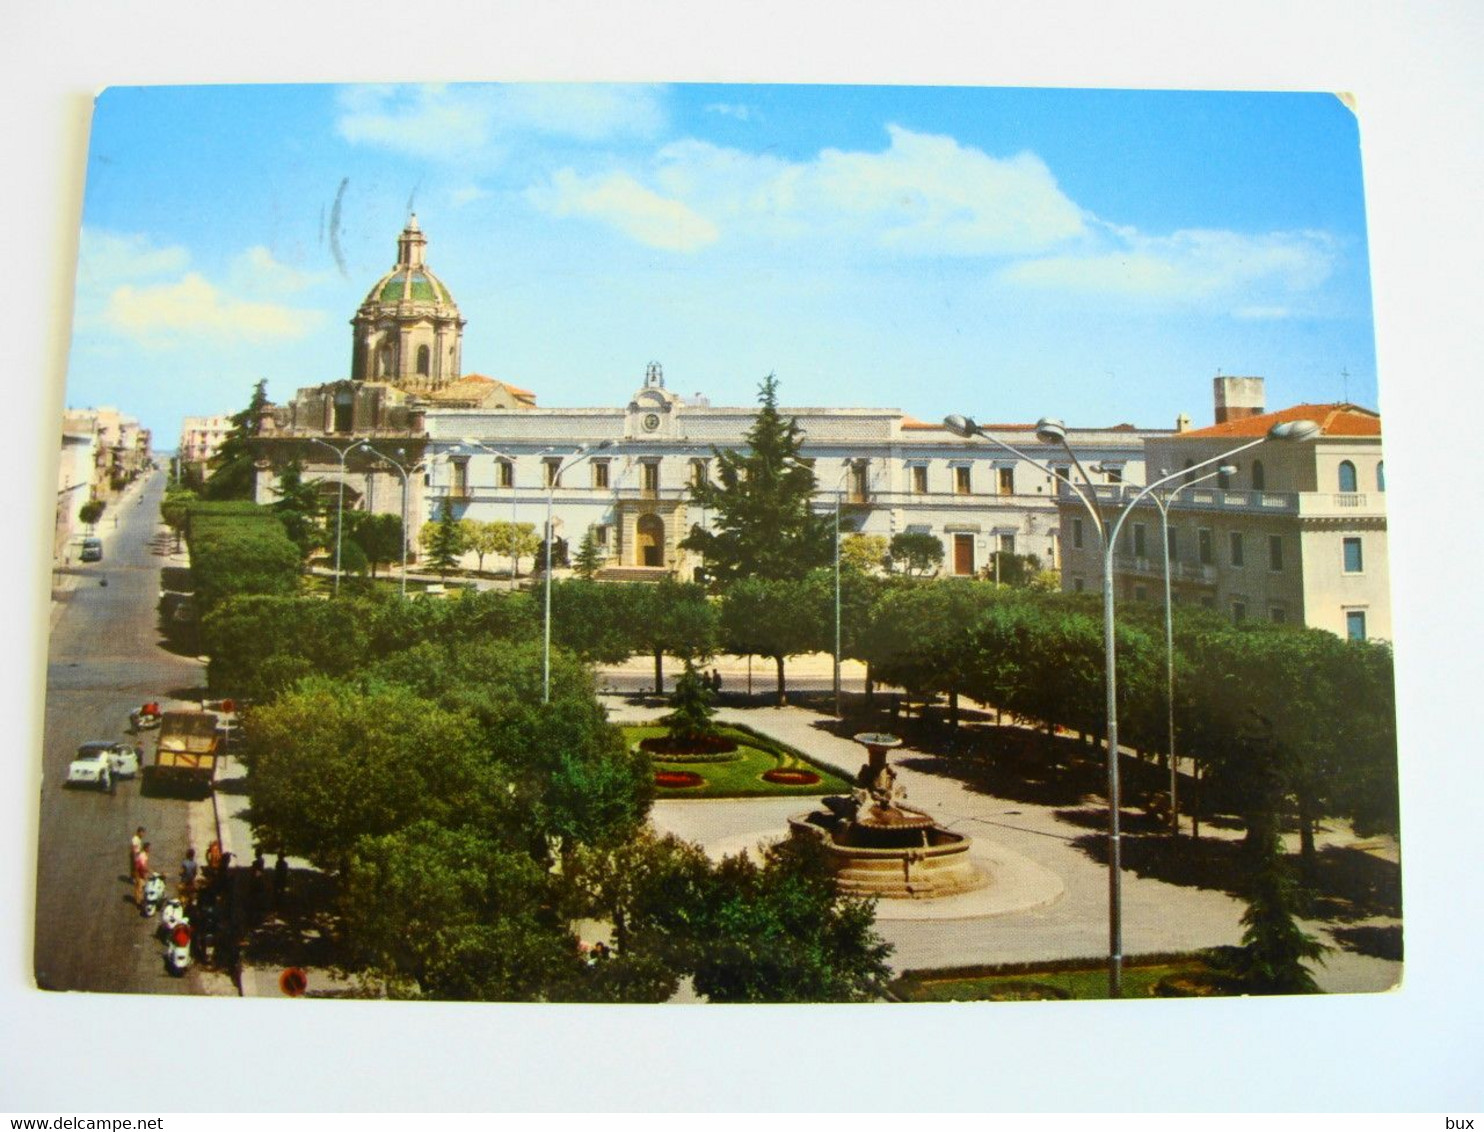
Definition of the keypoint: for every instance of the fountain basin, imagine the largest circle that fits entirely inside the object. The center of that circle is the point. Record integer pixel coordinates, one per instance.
(905, 862)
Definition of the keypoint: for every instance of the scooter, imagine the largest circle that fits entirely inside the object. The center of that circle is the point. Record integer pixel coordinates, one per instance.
(154, 892)
(172, 914)
(178, 947)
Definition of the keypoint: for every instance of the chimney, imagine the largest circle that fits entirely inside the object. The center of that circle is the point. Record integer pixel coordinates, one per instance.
(1182, 423)
(1237, 398)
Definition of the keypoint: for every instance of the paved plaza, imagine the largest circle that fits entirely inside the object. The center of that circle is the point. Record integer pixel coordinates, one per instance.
(1048, 899)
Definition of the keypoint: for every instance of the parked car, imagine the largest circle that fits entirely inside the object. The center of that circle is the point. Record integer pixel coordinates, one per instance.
(101, 764)
(92, 550)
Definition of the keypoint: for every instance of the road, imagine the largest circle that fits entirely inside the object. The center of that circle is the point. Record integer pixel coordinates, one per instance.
(105, 659)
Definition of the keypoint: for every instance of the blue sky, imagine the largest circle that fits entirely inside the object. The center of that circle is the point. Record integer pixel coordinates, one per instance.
(1097, 256)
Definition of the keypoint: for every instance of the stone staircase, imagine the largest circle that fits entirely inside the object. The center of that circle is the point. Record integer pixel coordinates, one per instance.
(633, 574)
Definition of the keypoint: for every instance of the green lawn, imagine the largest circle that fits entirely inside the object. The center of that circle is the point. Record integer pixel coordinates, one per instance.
(1080, 979)
(740, 775)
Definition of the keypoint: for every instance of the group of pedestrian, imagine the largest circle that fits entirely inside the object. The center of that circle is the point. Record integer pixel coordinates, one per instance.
(713, 681)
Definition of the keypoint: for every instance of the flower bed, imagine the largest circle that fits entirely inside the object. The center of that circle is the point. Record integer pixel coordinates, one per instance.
(790, 776)
(669, 748)
(678, 779)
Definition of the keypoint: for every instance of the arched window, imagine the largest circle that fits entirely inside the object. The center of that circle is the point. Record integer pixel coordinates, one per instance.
(1223, 480)
(1380, 475)
(1347, 476)
(1259, 477)
(424, 360)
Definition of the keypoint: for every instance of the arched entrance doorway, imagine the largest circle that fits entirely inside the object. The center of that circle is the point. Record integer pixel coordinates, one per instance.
(651, 541)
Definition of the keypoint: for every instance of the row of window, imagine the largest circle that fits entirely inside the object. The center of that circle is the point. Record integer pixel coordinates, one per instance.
(1355, 623)
(858, 476)
(1352, 548)
(1348, 478)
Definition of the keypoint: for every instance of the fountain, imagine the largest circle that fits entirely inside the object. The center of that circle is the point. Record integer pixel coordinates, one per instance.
(879, 847)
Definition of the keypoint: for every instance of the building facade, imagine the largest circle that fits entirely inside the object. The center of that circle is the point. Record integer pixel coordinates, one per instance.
(201, 438)
(1296, 533)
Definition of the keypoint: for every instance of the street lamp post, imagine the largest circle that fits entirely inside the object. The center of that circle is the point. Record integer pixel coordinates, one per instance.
(1162, 500)
(839, 494)
(582, 452)
(403, 472)
(1050, 431)
(472, 443)
(340, 508)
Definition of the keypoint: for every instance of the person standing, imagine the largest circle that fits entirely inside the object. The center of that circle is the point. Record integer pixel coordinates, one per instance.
(136, 843)
(188, 872)
(141, 874)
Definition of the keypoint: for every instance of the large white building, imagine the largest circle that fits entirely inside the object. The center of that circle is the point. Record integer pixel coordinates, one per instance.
(486, 447)
(1297, 533)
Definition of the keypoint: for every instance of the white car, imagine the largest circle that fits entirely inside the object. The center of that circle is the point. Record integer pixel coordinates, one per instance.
(101, 764)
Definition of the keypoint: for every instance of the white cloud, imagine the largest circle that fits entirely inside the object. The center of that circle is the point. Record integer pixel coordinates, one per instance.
(466, 194)
(425, 121)
(458, 122)
(256, 271)
(1250, 275)
(638, 212)
(738, 110)
(928, 193)
(106, 257)
(164, 314)
(923, 194)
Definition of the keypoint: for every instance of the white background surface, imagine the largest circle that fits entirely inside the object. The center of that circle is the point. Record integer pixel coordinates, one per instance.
(1414, 70)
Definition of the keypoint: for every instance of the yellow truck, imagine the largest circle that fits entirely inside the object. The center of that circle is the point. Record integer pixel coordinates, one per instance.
(185, 755)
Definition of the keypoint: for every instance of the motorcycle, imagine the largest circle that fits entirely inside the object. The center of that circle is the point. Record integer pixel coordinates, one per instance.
(154, 892)
(145, 717)
(178, 948)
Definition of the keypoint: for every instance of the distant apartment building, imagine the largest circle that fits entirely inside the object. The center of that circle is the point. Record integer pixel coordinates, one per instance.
(102, 451)
(1296, 533)
(200, 438)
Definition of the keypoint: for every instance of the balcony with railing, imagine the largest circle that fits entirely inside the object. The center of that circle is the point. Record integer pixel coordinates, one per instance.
(1193, 573)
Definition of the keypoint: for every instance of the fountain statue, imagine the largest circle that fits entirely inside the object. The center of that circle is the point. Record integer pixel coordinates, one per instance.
(880, 847)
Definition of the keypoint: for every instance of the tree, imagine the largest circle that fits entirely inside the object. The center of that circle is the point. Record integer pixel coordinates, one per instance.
(771, 617)
(443, 540)
(379, 536)
(298, 508)
(670, 618)
(652, 890)
(763, 526)
(592, 619)
(482, 539)
(915, 553)
(589, 558)
(431, 912)
(516, 541)
(1009, 569)
(1275, 947)
(234, 467)
(239, 548)
(783, 933)
(91, 511)
(689, 720)
(260, 645)
(864, 553)
(334, 761)
(174, 510)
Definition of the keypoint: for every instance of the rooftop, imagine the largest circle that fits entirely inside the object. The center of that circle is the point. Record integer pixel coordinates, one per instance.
(1338, 419)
